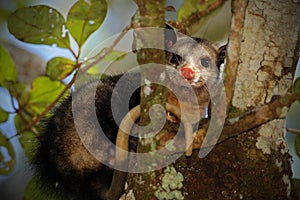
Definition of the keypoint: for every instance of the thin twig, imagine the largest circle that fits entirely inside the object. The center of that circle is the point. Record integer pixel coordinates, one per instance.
(68, 86)
(47, 109)
(195, 17)
(293, 130)
(107, 50)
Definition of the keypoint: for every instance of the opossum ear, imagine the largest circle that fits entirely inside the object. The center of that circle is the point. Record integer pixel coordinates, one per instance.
(221, 55)
(170, 36)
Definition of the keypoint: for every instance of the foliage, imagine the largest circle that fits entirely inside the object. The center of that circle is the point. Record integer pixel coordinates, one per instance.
(7, 68)
(59, 68)
(35, 191)
(39, 25)
(297, 145)
(3, 115)
(190, 7)
(45, 25)
(296, 89)
(296, 85)
(7, 160)
(84, 18)
(296, 183)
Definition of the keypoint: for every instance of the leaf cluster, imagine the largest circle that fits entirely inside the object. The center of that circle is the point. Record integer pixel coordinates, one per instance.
(43, 25)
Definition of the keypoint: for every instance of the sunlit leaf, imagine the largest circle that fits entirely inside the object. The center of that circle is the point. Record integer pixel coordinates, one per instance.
(7, 156)
(297, 145)
(39, 25)
(28, 142)
(93, 70)
(112, 56)
(8, 70)
(3, 115)
(84, 18)
(35, 191)
(43, 92)
(115, 55)
(59, 68)
(191, 6)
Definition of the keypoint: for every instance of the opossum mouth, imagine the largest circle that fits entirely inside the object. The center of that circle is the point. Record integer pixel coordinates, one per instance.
(197, 81)
(178, 80)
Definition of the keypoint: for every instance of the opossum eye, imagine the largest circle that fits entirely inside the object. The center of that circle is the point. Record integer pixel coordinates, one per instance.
(205, 62)
(176, 59)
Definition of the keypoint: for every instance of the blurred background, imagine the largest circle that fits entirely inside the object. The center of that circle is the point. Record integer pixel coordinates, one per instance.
(31, 61)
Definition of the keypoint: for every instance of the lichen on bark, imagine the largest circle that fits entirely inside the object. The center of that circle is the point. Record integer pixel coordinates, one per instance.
(266, 62)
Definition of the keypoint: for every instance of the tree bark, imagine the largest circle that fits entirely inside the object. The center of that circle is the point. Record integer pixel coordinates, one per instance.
(148, 43)
(251, 159)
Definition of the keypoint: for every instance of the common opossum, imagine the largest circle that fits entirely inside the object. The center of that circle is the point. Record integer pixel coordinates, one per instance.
(63, 163)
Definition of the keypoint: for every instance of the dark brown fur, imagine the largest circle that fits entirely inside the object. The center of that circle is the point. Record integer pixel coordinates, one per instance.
(62, 162)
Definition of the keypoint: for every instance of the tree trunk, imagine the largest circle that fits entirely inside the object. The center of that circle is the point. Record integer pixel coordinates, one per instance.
(148, 43)
(251, 159)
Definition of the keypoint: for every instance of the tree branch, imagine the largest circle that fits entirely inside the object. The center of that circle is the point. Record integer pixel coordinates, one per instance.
(253, 118)
(68, 86)
(194, 18)
(107, 50)
(233, 48)
(292, 130)
(47, 109)
(260, 115)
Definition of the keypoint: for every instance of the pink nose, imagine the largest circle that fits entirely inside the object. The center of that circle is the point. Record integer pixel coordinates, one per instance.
(187, 72)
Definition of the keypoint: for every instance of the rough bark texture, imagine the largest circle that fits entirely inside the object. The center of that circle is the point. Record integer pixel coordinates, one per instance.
(251, 160)
(234, 46)
(267, 51)
(151, 14)
(252, 163)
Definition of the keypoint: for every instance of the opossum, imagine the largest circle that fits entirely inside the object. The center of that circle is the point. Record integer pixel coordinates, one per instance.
(63, 163)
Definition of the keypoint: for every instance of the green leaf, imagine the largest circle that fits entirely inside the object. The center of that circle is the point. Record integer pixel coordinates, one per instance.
(24, 99)
(39, 25)
(84, 18)
(43, 92)
(3, 115)
(297, 145)
(28, 142)
(191, 6)
(4, 14)
(296, 85)
(93, 70)
(115, 55)
(296, 183)
(59, 68)
(8, 71)
(7, 156)
(16, 89)
(112, 56)
(34, 190)
(20, 124)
